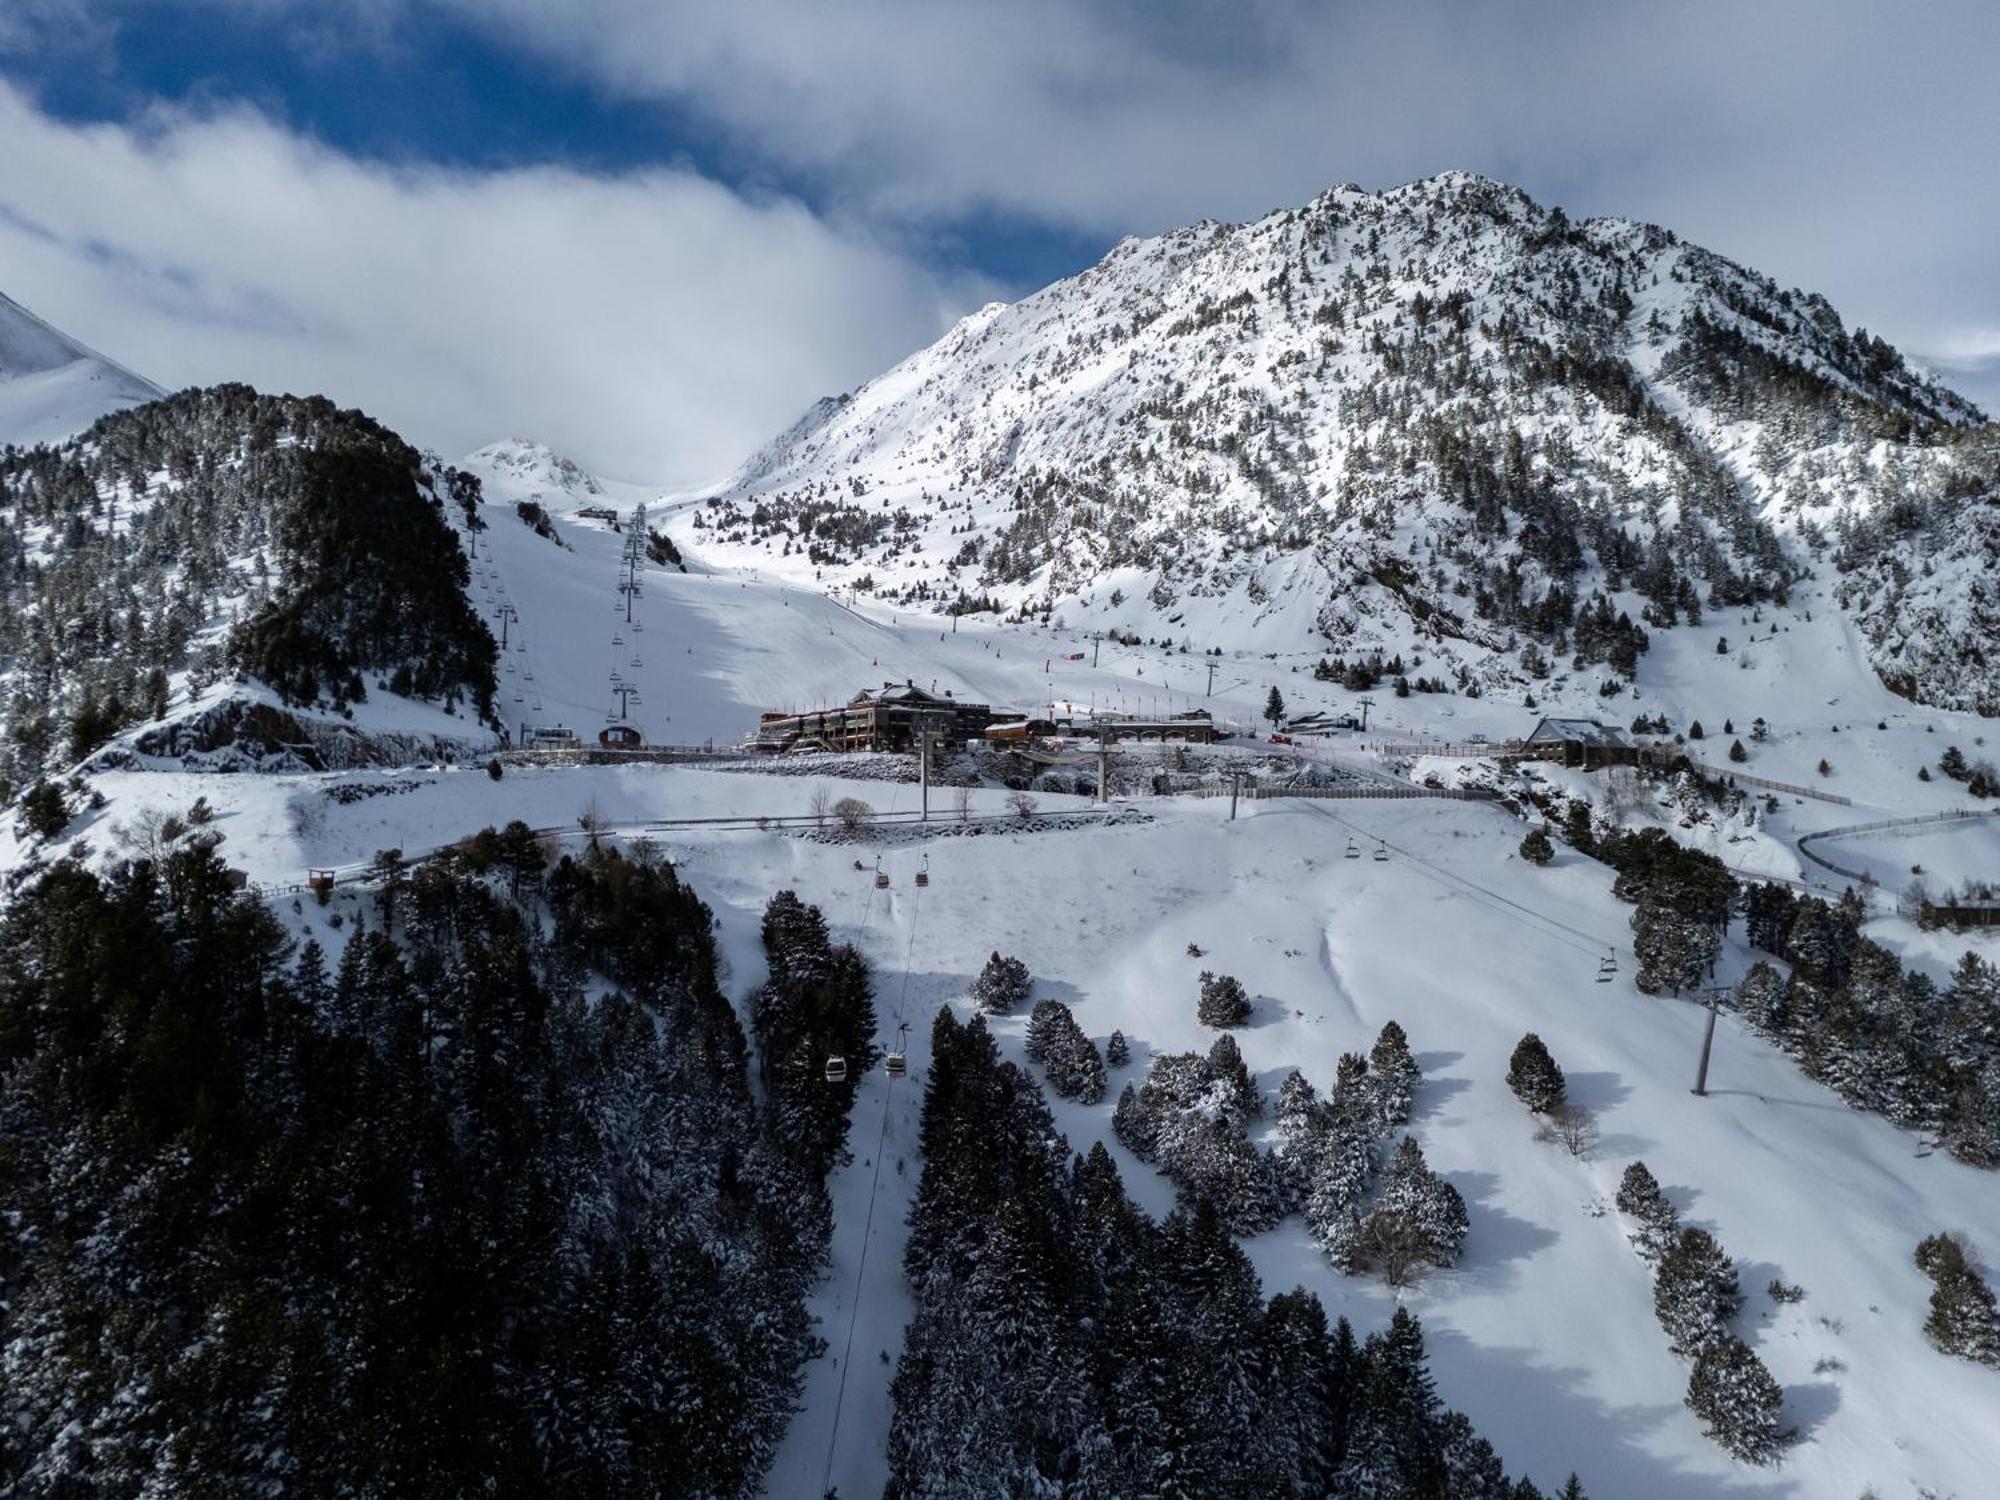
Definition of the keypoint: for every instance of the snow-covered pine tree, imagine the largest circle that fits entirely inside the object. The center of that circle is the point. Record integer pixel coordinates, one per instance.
(1426, 1200)
(1055, 1040)
(1223, 1001)
(1737, 1399)
(1226, 1059)
(1655, 1224)
(1117, 1052)
(1002, 984)
(1963, 1320)
(1695, 1292)
(1533, 1075)
(1393, 1076)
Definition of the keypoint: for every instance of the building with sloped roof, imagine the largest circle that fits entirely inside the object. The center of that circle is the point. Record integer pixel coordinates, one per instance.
(1582, 743)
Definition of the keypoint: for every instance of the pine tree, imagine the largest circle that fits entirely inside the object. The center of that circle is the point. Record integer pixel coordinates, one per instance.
(1534, 1077)
(1223, 1001)
(1737, 1399)
(1002, 984)
(1427, 1201)
(1695, 1292)
(1274, 708)
(1963, 1319)
(1655, 1223)
(1393, 1076)
(1116, 1052)
(1536, 848)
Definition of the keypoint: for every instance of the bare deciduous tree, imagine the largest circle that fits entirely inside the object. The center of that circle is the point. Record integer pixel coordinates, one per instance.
(1023, 804)
(821, 804)
(852, 814)
(961, 802)
(1392, 1243)
(1572, 1127)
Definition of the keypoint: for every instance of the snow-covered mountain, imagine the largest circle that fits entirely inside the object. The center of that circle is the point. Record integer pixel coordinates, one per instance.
(1434, 422)
(521, 469)
(51, 386)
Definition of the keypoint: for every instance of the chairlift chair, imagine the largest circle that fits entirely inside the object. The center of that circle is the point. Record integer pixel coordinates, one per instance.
(1353, 849)
(881, 877)
(836, 1069)
(897, 1064)
(1607, 967)
(924, 873)
(1381, 853)
(617, 639)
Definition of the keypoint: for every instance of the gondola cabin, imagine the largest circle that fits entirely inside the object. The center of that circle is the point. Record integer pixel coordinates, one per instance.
(620, 737)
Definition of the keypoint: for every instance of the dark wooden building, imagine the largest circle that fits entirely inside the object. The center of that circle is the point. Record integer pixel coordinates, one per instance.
(889, 718)
(1581, 743)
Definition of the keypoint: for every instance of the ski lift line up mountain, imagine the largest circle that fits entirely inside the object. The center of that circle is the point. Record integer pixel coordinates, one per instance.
(896, 1066)
(1549, 927)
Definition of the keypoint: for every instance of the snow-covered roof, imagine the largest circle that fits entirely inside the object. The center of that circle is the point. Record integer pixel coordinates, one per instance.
(1583, 731)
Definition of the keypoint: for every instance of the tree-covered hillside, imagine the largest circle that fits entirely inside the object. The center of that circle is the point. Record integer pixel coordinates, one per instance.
(221, 531)
(483, 1207)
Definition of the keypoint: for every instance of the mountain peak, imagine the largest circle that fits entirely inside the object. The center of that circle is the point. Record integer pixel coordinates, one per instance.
(53, 386)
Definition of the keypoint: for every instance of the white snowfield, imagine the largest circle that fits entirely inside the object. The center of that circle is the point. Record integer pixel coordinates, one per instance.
(1545, 1334)
(51, 386)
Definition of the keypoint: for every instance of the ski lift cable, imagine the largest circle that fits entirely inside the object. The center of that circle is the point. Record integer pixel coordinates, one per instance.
(1595, 944)
(874, 1186)
(874, 1191)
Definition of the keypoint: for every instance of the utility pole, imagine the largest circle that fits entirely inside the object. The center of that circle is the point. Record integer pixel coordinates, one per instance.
(1096, 642)
(1103, 768)
(1707, 1044)
(507, 614)
(924, 774)
(1366, 703)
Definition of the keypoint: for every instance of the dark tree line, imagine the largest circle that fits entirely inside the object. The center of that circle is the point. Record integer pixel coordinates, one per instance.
(485, 1207)
(1885, 1038)
(1064, 1343)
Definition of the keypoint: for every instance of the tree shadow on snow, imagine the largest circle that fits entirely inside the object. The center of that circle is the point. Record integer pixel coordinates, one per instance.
(1808, 1408)
(1510, 1391)
(1497, 1237)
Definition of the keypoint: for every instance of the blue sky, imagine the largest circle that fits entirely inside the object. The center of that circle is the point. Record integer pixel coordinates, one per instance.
(652, 230)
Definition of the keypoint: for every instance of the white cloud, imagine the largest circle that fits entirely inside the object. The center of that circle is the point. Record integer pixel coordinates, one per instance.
(1840, 145)
(654, 325)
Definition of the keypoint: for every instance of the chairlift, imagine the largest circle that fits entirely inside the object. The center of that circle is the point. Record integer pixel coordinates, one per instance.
(897, 1064)
(617, 639)
(638, 625)
(637, 663)
(881, 876)
(1607, 967)
(1381, 853)
(836, 1070)
(924, 873)
(1353, 849)
(528, 675)
(517, 698)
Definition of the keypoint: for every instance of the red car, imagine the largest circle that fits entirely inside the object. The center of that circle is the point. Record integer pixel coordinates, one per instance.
(1281, 739)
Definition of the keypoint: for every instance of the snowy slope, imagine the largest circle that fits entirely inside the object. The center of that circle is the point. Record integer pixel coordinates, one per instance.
(52, 387)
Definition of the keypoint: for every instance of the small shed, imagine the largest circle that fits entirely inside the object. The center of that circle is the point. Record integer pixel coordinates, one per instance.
(1582, 743)
(620, 737)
